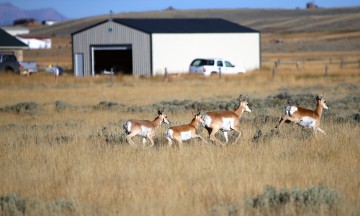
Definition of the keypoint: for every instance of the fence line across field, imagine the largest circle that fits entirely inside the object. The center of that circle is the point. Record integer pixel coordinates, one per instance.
(300, 62)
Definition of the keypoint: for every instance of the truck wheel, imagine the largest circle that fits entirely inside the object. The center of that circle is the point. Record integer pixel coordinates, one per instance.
(9, 70)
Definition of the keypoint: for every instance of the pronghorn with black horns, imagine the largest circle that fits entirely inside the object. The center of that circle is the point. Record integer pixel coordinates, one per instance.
(304, 117)
(225, 121)
(144, 128)
(184, 132)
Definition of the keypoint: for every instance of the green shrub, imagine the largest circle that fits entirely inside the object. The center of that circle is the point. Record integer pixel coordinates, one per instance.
(12, 204)
(61, 106)
(23, 107)
(309, 200)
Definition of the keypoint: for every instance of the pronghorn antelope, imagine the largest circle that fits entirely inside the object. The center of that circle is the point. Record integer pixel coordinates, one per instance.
(225, 121)
(184, 132)
(304, 117)
(144, 128)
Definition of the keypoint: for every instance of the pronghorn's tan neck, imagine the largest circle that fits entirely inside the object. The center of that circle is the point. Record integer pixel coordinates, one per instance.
(194, 123)
(319, 109)
(240, 110)
(157, 122)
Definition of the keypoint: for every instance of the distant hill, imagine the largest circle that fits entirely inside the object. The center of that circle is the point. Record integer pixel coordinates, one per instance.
(9, 13)
(264, 20)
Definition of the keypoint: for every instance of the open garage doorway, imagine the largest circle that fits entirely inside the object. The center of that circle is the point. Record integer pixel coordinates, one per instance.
(114, 59)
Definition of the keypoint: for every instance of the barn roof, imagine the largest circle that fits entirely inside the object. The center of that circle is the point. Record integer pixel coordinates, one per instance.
(9, 41)
(186, 25)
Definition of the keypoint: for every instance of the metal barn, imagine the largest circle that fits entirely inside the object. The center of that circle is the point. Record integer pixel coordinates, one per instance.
(149, 47)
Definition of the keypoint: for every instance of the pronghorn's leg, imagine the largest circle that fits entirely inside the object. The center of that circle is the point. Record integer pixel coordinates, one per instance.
(202, 139)
(226, 136)
(213, 138)
(143, 142)
(286, 119)
(209, 130)
(281, 120)
(152, 141)
(314, 130)
(179, 141)
(129, 140)
(319, 129)
(170, 142)
(238, 131)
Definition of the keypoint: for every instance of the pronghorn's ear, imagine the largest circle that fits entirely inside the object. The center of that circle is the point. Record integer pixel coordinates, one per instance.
(246, 98)
(161, 111)
(241, 97)
(319, 97)
(198, 110)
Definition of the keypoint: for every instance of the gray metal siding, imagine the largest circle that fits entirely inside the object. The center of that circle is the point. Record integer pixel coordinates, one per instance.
(119, 34)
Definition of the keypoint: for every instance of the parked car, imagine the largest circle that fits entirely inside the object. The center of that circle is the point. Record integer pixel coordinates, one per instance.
(9, 63)
(214, 66)
(28, 67)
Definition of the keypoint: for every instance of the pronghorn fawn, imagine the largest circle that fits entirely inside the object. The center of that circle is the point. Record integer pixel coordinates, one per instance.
(225, 121)
(304, 117)
(184, 132)
(144, 128)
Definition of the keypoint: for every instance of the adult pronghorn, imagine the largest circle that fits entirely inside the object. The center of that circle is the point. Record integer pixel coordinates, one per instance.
(144, 128)
(184, 132)
(304, 117)
(225, 121)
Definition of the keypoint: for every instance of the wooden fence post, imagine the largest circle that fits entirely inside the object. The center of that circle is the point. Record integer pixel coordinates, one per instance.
(166, 75)
(326, 70)
(273, 71)
(341, 63)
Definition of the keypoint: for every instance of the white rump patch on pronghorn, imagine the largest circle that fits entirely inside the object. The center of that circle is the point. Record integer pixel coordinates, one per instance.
(307, 122)
(207, 121)
(144, 131)
(227, 123)
(185, 135)
(169, 133)
(127, 127)
(289, 110)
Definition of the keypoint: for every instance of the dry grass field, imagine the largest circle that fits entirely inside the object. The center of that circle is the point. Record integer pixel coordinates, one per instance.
(63, 150)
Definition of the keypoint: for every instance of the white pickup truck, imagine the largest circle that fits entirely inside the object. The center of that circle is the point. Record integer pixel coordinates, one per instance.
(211, 66)
(28, 67)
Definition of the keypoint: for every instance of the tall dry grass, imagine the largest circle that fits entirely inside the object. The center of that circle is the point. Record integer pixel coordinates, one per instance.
(66, 153)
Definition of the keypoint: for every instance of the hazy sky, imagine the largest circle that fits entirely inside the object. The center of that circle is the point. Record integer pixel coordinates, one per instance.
(85, 8)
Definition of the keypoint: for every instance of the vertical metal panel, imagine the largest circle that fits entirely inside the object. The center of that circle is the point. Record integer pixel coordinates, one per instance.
(79, 64)
(110, 33)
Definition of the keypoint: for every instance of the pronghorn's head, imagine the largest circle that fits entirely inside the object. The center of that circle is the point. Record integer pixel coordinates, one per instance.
(244, 104)
(198, 118)
(322, 101)
(163, 116)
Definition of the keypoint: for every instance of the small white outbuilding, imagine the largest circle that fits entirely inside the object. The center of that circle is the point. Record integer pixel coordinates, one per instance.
(148, 47)
(36, 42)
